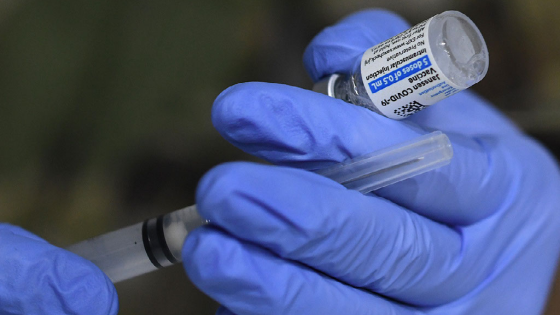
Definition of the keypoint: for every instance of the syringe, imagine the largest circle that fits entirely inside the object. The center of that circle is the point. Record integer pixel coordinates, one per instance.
(157, 242)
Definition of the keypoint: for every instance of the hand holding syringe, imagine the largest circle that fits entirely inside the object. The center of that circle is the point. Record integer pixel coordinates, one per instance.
(157, 242)
(446, 54)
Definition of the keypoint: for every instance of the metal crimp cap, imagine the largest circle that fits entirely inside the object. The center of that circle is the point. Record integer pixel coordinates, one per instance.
(326, 85)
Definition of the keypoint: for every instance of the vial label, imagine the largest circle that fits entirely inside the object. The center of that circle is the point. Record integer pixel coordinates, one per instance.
(401, 76)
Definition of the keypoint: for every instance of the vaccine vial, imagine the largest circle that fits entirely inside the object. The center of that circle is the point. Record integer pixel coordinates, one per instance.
(415, 69)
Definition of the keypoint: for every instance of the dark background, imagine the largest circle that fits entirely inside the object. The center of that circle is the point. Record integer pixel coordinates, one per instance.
(105, 105)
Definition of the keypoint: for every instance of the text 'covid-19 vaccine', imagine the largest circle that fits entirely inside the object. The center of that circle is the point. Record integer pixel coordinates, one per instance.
(414, 69)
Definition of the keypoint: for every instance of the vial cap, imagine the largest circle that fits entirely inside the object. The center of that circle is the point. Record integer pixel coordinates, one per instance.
(326, 85)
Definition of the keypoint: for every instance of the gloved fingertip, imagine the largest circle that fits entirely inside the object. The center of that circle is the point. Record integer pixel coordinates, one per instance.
(215, 185)
(43, 277)
(232, 109)
(86, 289)
(243, 112)
(276, 122)
(221, 107)
(202, 256)
(336, 48)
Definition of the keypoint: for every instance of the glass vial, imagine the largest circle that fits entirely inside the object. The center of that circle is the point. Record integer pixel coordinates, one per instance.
(415, 69)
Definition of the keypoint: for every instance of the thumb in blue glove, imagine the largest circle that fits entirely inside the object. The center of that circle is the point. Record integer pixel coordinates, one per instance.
(38, 278)
(478, 236)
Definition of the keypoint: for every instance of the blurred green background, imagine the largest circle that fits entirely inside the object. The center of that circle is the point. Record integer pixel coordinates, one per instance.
(105, 105)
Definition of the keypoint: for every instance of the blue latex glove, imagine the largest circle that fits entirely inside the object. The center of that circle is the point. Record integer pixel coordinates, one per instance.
(37, 278)
(479, 236)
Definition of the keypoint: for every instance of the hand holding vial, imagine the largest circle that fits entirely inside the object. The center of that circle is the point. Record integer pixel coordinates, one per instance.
(414, 69)
(478, 236)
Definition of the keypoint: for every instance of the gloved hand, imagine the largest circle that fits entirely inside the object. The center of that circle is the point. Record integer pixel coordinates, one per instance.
(37, 278)
(479, 236)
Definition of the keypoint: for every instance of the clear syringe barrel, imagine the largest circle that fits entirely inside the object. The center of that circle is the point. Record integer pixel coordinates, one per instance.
(415, 69)
(385, 167)
(141, 248)
(157, 242)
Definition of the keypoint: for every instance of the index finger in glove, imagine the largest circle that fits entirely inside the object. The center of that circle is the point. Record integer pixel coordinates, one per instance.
(39, 278)
(299, 128)
(363, 241)
(336, 49)
(250, 280)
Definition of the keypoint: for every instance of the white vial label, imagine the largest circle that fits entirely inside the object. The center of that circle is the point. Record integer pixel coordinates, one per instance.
(401, 76)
